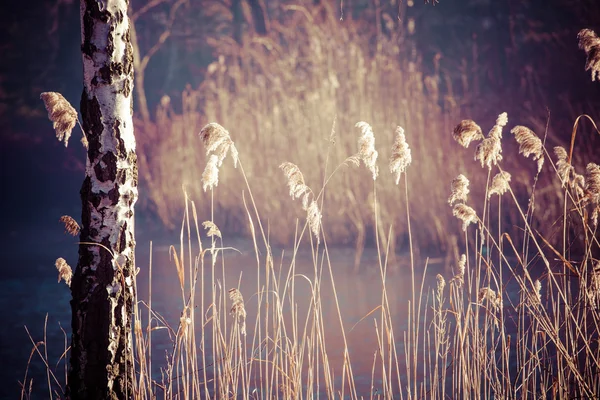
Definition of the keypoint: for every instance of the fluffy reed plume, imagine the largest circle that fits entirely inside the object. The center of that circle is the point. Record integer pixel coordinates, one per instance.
(466, 132)
(210, 176)
(295, 181)
(537, 286)
(216, 139)
(465, 213)
(61, 113)
(499, 184)
(462, 263)
(590, 43)
(212, 229)
(563, 167)
(238, 310)
(592, 183)
(594, 287)
(313, 215)
(366, 148)
(486, 293)
(401, 157)
(460, 276)
(184, 322)
(441, 284)
(71, 226)
(529, 144)
(459, 190)
(64, 271)
(489, 151)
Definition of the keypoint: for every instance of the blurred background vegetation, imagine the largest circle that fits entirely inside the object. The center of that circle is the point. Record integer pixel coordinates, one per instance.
(277, 74)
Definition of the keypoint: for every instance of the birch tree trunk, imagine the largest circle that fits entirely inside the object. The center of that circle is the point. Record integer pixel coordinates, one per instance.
(101, 364)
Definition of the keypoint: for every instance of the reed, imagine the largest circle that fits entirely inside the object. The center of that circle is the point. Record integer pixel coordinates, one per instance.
(516, 317)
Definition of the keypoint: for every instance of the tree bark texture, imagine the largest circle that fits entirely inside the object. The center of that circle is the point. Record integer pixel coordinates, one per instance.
(101, 364)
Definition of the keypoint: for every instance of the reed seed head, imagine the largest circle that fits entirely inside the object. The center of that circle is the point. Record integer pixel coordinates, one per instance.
(64, 271)
(592, 183)
(486, 293)
(465, 213)
(401, 157)
(217, 140)
(238, 309)
(500, 184)
(313, 216)
(590, 43)
(489, 151)
(459, 190)
(71, 226)
(537, 285)
(563, 167)
(61, 113)
(466, 132)
(366, 148)
(462, 263)
(441, 284)
(211, 229)
(295, 181)
(529, 144)
(210, 176)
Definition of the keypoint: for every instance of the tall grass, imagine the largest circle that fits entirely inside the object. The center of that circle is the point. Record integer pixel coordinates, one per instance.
(516, 316)
(281, 92)
(513, 320)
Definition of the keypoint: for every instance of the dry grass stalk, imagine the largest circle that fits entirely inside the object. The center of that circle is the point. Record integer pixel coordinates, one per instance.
(210, 176)
(500, 184)
(401, 157)
(529, 144)
(61, 113)
(71, 226)
(466, 132)
(366, 148)
(466, 214)
(459, 190)
(590, 43)
(238, 310)
(489, 151)
(212, 229)
(64, 271)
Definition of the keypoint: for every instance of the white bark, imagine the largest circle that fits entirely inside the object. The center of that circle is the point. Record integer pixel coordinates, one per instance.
(101, 356)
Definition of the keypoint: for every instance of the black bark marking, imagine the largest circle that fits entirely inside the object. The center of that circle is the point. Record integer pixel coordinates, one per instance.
(120, 143)
(92, 123)
(122, 238)
(110, 42)
(128, 66)
(92, 13)
(106, 168)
